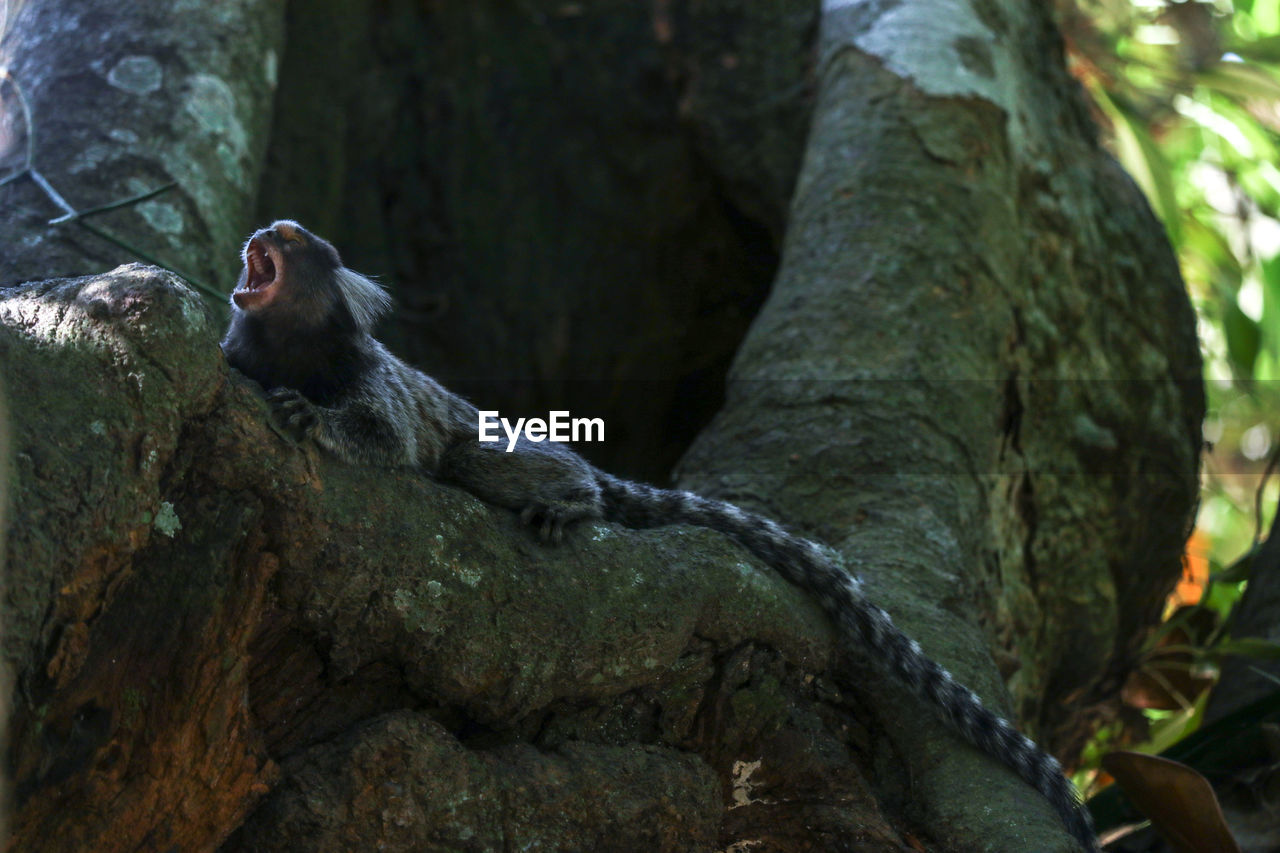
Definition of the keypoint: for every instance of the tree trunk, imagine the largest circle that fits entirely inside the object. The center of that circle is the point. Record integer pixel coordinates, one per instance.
(983, 306)
(108, 101)
(979, 325)
(6, 670)
(975, 375)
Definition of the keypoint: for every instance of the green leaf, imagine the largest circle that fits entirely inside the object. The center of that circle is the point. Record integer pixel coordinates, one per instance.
(1242, 80)
(1241, 128)
(1244, 338)
(1205, 247)
(1144, 160)
(1265, 49)
(1237, 571)
(1270, 269)
(1249, 647)
(1265, 14)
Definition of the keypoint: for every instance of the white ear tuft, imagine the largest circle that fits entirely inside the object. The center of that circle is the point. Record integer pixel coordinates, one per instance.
(366, 299)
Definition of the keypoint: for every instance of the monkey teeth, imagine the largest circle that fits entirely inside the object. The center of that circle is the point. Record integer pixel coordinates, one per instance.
(260, 266)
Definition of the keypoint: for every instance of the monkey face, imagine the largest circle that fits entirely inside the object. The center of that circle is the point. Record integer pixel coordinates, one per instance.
(295, 281)
(282, 264)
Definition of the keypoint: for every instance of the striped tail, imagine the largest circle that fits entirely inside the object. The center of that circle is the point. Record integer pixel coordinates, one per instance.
(809, 566)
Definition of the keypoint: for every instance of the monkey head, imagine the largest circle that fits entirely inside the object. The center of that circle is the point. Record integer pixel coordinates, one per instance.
(295, 278)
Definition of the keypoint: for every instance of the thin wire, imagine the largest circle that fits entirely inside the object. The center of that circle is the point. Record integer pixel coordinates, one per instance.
(216, 295)
(30, 127)
(103, 208)
(70, 214)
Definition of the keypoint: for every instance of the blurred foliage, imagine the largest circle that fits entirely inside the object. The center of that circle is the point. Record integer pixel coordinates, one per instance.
(1188, 96)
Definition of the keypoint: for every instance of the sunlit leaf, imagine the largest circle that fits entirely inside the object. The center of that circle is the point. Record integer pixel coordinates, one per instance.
(1144, 160)
(1265, 14)
(1226, 128)
(1270, 269)
(1207, 248)
(1265, 49)
(1241, 79)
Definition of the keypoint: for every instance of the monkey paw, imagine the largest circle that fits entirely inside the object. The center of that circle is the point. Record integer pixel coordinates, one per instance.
(551, 519)
(295, 415)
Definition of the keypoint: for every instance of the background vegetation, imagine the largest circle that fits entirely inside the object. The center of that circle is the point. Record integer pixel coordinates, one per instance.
(1189, 96)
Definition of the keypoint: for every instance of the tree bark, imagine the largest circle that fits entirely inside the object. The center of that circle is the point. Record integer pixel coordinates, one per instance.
(219, 603)
(979, 325)
(107, 101)
(6, 669)
(976, 375)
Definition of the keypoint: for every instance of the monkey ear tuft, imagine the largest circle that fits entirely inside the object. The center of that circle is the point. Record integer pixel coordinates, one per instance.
(366, 300)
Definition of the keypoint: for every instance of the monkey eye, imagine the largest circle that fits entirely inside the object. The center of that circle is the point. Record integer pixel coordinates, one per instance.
(295, 240)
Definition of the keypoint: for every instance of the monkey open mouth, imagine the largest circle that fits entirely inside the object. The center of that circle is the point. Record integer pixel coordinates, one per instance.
(258, 281)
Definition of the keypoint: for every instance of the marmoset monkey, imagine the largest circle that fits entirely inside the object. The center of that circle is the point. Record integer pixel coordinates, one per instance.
(300, 326)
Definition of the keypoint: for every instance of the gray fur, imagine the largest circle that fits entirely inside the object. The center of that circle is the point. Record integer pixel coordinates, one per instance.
(386, 413)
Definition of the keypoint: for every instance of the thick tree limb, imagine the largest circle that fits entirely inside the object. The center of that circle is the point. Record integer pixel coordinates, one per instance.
(218, 603)
(979, 325)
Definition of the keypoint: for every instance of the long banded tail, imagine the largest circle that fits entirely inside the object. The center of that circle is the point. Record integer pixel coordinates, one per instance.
(807, 565)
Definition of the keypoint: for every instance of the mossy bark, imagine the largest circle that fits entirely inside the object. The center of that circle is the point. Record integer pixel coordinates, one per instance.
(197, 604)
